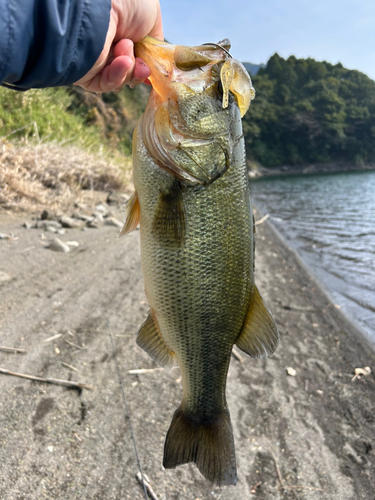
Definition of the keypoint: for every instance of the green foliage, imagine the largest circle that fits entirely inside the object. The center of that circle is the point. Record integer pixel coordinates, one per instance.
(307, 111)
(48, 110)
(72, 115)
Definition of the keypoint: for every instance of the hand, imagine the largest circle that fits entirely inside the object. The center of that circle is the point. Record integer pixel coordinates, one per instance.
(130, 21)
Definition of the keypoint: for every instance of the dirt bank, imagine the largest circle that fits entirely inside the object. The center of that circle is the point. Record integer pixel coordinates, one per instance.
(306, 437)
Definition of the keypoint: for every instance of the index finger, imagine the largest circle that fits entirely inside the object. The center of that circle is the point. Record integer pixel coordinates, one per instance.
(157, 30)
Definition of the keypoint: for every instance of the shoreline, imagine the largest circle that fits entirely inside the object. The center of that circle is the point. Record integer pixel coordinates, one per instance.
(300, 434)
(261, 172)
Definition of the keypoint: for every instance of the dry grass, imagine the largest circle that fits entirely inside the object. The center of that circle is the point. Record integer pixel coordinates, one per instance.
(38, 175)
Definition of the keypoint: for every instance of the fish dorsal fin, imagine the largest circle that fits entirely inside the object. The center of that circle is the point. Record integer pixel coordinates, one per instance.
(169, 224)
(152, 342)
(259, 336)
(132, 215)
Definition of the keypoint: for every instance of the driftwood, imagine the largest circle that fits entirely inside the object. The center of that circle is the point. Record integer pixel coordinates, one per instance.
(65, 383)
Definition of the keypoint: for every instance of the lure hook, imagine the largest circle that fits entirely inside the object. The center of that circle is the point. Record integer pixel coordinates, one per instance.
(220, 47)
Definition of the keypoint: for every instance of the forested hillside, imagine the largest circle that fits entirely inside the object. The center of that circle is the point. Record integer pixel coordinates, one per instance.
(304, 112)
(308, 111)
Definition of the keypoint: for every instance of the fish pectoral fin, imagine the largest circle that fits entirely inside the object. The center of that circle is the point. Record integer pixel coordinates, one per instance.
(259, 336)
(152, 342)
(169, 224)
(132, 215)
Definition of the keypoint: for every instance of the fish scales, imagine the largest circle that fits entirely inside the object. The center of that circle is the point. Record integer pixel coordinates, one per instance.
(193, 204)
(187, 287)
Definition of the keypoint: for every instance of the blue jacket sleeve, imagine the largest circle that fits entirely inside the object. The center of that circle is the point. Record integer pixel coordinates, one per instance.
(50, 43)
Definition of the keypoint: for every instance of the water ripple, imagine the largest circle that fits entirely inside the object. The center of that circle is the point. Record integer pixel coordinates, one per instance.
(330, 221)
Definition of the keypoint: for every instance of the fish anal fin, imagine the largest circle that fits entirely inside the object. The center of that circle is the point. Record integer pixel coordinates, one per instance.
(259, 336)
(132, 215)
(209, 444)
(169, 224)
(150, 340)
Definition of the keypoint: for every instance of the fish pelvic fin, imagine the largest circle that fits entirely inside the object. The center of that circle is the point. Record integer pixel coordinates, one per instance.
(151, 341)
(132, 215)
(209, 444)
(259, 336)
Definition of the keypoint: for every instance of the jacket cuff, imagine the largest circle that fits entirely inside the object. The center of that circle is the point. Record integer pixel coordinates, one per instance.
(51, 43)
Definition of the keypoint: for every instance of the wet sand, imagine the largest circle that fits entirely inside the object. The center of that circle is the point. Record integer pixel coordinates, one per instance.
(308, 436)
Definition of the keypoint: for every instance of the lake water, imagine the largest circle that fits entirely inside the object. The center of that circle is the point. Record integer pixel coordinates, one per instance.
(330, 221)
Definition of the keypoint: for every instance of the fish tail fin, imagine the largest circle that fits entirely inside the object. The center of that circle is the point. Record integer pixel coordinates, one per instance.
(209, 444)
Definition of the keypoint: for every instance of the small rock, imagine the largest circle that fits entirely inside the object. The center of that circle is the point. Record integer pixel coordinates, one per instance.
(61, 231)
(4, 236)
(59, 246)
(27, 225)
(291, 371)
(4, 277)
(46, 224)
(48, 215)
(112, 221)
(113, 198)
(102, 209)
(124, 197)
(50, 449)
(96, 221)
(3, 200)
(81, 216)
(72, 243)
(81, 206)
(70, 222)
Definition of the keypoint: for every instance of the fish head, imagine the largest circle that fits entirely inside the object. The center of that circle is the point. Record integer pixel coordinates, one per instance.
(198, 68)
(188, 123)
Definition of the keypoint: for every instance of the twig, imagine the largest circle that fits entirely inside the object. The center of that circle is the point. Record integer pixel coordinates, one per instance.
(146, 482)
(263, 219)
(53, 338)
(254, 488)
(238, 356)
(12, 349)
(66, 383)
(280, 477)
(69, 366)
(145, 370)
(27, 249)
(73, 345)
(302, 488)
(19, 129)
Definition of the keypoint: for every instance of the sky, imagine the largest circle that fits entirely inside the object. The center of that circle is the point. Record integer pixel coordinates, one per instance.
(326, 30)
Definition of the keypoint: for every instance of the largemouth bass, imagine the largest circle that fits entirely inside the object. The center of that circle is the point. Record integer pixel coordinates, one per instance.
(192, 200)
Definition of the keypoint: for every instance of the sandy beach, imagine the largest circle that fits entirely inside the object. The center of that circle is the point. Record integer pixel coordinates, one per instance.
(303, 423)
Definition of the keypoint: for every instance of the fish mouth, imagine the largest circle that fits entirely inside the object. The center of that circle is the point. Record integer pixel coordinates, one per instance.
(169, 62)
(158, 56)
